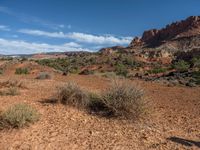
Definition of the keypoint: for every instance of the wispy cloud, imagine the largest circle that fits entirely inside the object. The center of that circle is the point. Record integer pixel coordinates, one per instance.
(81, 37)
(4, 28)
(23, 47)
(43, 33)
(102, 39)
(30, 19)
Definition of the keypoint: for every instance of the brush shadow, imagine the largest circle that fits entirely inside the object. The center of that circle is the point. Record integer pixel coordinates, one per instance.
(48, 101)
(185, 142)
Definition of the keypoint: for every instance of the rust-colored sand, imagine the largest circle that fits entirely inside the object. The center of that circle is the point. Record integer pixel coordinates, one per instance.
(174, 118)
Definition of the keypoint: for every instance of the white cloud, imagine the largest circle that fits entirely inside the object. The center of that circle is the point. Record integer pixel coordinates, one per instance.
(81, 37)
(4, 28)
(23, 47)
(107, 39)
(43, 33)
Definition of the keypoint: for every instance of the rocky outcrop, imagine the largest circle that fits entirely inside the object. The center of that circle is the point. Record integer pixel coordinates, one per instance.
(111, 50)
(136, 42)
(153, 38)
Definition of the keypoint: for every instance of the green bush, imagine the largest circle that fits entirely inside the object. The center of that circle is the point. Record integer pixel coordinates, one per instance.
(121, 70)
(18, 116)
(157, 70)
(181, 66)
(196, 62)
(196, 76)
(20, 71)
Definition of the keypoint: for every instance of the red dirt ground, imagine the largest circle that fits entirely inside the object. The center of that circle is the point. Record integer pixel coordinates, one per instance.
(173, 118)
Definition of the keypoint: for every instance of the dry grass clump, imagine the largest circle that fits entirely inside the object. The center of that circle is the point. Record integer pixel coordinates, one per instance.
(124, 99)
(12, 83)
(18, 116)
(44, 75)
(121, 99)
(12, 91)
(71, 94)
(97, 106)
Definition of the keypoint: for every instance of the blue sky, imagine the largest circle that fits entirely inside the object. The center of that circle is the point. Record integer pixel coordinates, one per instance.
(33, 26)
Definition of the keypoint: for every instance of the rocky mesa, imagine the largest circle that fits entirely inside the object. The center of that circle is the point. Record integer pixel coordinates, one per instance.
(178, 35)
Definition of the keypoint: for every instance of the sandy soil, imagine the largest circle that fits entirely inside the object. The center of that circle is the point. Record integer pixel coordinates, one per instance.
(173, 121)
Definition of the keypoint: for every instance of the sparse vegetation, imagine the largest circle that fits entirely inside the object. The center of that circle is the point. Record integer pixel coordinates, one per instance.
(1, 71)
(18, 116)
(20, 71)
(75, 63)
(109, 75)
(121, 99)
(86, 72)
(157, 70)
(196, 76)
(196, 62)
(44, 75)
(121, 70)
(181, 66)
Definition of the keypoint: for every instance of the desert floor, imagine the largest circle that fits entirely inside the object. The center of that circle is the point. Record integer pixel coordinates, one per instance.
(173, 121)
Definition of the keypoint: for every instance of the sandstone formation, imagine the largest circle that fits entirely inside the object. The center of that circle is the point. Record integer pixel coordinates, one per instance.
(178, 30)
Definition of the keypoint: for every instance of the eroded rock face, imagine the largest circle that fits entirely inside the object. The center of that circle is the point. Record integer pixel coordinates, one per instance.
(111, 50)
(186, 28)
(136, 42)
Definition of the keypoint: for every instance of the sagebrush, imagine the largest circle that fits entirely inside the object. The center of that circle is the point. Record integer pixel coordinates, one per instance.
(44, 75)
(18, 116)
(122, 98)
(72, 94)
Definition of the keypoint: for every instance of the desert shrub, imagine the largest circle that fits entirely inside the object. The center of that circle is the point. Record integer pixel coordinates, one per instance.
(196, 62)
(86, 72)
(24, 59)
(181, 66)
(157, 70)
(74, 69)
(71, 94)
(12, 91)
(1, 70)
(196, 76)
(121, 70)
(18, 116)
(20, 71)
(44, 75)
(97, 105)
(109, 75)
(12, 83)
(130, 61)
(124, 99)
